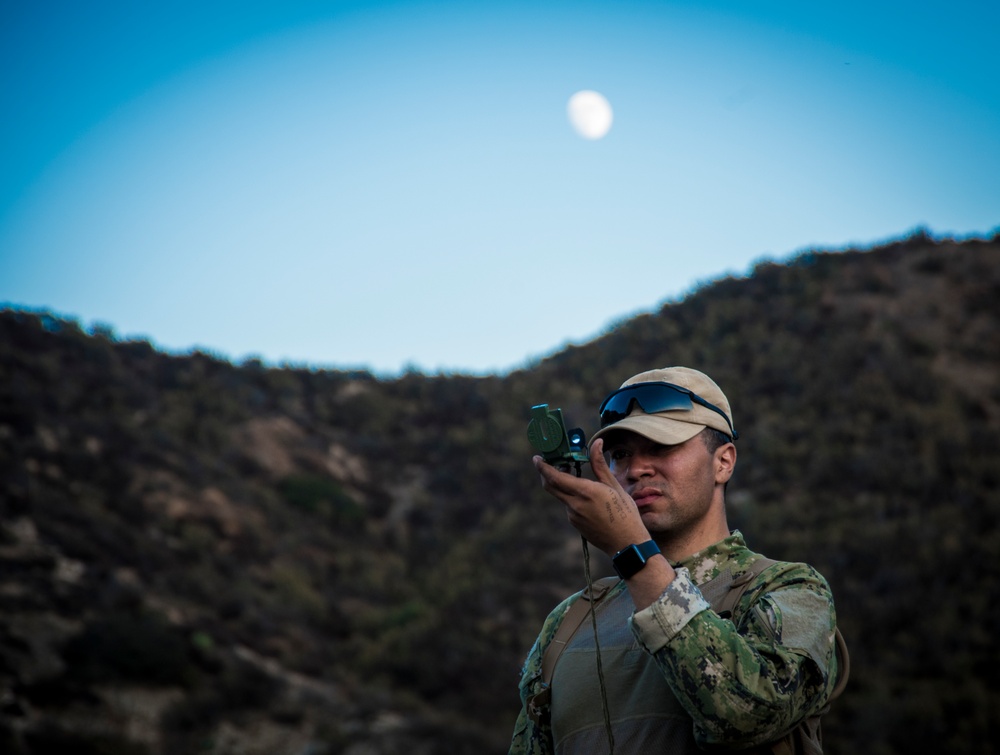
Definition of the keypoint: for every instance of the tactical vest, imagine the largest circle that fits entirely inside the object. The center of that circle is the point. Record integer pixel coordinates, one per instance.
(643, 708)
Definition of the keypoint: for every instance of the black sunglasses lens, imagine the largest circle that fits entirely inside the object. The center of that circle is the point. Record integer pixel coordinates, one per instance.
(650, 398)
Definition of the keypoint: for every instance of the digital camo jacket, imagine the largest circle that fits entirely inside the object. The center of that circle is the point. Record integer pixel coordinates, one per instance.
(679, 677)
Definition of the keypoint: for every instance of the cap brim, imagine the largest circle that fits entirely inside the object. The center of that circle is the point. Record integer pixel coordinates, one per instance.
(656, 427)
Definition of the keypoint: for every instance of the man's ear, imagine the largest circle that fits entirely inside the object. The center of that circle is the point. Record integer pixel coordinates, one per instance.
(725, 463)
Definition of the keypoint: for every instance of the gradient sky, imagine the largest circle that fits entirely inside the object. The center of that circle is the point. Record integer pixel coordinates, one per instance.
(395, 185)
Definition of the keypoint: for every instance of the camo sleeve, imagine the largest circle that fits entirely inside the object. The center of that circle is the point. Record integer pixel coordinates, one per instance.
(750, 682)
(533, 729)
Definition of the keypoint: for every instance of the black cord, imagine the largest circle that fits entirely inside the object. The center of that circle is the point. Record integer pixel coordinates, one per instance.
(597, 642)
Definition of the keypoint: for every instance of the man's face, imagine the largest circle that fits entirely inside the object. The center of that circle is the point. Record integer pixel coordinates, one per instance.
(672, 486)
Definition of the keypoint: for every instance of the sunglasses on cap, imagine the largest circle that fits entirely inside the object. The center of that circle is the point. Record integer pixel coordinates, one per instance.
(653, 398)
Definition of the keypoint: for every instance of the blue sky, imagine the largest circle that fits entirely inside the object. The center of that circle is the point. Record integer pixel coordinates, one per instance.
(393, 185)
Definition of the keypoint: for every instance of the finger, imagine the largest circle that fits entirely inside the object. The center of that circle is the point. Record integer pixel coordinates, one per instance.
(553, 479)
(600, 465)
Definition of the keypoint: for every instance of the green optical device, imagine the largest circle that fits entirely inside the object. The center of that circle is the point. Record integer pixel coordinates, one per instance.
(558, 446)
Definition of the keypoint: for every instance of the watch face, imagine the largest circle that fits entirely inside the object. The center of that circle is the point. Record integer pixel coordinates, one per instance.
(630, 560)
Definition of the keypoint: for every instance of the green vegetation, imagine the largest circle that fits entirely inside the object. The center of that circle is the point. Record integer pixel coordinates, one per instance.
(326, 558)
(140, 647)
(323, 497)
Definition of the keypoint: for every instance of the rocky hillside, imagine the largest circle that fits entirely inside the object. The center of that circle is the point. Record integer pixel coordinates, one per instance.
(201, 557)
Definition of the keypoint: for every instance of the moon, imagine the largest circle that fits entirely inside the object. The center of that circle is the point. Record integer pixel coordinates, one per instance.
(589, 114)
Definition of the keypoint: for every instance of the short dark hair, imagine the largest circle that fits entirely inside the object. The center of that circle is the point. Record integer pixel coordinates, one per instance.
(714, 439)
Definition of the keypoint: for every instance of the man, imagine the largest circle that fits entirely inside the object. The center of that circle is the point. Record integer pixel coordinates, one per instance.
(677, 677)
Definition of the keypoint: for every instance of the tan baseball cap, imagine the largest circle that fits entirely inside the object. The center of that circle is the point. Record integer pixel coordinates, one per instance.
(675, 425)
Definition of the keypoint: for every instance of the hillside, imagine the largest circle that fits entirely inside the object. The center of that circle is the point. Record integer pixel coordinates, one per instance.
(197, 556)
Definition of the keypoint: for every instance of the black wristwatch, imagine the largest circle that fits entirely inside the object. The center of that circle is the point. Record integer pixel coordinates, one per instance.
(629, 561)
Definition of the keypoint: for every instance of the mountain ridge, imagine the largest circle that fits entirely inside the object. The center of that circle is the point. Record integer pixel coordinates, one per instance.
(204, 557)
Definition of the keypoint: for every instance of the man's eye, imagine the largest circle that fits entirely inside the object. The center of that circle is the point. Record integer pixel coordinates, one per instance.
(617, 454)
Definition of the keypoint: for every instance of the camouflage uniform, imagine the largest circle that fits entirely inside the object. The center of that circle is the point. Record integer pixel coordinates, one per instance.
(679, 677)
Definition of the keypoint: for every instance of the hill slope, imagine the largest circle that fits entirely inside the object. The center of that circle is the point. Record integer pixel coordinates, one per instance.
(200, 557)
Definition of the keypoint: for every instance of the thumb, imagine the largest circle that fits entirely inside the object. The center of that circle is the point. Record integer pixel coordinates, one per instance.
(601, 469)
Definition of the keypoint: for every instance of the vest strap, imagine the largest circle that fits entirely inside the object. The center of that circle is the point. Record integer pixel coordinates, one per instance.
(576, 613)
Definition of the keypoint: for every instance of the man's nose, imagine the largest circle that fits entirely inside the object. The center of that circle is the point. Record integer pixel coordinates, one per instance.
(640, 465)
